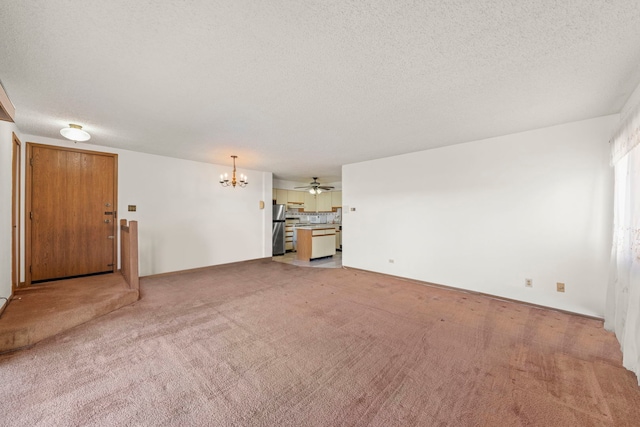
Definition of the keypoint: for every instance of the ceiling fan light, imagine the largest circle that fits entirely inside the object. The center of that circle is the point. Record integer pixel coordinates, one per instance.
(314, 187)
(75, 133)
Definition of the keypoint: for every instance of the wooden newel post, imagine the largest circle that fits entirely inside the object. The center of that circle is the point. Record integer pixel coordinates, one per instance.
(129, 253)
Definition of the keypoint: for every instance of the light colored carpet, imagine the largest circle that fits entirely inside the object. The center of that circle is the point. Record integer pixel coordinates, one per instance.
(271, 344)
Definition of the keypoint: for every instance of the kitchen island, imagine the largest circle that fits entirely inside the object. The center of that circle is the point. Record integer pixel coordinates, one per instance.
(315, 242)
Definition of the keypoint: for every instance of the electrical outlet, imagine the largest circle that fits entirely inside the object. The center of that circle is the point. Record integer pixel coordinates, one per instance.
(391, 261)
(560, 286)
(528, 283)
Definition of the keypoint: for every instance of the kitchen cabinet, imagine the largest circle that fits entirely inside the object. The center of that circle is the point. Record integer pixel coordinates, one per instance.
(315, 243)
(282, 196)
(289, 225)
(288, 237)
(309, 202)
(338, 239)
(323, 201)
(336, 199)
(323, 246)
(296, 197)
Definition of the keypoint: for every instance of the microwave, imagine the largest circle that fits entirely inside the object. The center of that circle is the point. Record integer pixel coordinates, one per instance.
(315, 219)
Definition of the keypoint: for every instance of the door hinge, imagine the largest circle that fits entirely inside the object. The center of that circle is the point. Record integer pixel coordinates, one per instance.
(31, 161)
(30, 269)
(30, 215)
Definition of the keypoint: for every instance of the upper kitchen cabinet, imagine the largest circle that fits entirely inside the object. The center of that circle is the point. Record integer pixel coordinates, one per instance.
(296, 197)
(282, 196)
(323, 201)
(309, 202)
(336, 199)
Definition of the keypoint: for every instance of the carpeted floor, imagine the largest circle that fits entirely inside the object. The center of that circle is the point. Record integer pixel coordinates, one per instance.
(271, 344)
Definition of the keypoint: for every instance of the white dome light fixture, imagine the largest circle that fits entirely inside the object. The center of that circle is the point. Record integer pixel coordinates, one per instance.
(75, 133)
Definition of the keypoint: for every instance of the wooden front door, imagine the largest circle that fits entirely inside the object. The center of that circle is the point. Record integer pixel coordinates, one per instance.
(71, 211)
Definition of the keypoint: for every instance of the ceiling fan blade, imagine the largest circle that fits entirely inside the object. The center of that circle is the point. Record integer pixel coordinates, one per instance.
(315, 185)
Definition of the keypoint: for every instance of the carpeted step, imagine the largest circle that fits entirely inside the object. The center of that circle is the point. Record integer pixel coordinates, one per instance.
(43, 311)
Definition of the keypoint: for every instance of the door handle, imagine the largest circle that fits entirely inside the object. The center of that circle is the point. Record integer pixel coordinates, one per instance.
(107, 221)
(110, 237)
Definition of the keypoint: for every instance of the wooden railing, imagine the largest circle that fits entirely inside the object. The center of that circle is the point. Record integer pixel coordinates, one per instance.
(129, 253)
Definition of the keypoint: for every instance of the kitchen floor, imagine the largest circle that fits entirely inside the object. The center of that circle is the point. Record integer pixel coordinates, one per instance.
(329, 262)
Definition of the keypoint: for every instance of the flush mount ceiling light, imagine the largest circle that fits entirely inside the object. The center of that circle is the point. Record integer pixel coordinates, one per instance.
(224, 178)
(75, 133)
(315, 187)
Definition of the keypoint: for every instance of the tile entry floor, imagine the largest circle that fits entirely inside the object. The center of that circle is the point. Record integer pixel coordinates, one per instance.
(329, 262)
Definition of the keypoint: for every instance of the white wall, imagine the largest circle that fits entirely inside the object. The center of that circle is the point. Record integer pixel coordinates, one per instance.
(6, 150)
(485, 215)
(185, 218)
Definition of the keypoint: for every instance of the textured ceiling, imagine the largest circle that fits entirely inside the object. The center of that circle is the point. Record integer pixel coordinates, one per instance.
(301, 87)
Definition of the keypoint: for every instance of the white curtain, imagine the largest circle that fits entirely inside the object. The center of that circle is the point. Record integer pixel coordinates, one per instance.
(622, 312)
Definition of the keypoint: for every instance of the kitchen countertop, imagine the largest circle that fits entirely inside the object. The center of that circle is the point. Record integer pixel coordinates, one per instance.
(316, 226)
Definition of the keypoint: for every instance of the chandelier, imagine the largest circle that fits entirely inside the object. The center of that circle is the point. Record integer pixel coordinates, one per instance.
(224, 178)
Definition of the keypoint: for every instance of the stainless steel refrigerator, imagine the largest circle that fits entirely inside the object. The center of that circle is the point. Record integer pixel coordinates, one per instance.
(277, 238)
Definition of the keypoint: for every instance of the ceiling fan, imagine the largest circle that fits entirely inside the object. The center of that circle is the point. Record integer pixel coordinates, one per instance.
(315, 187)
